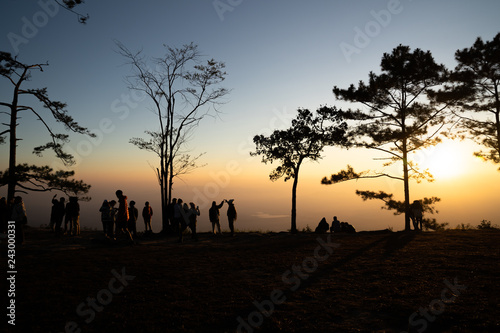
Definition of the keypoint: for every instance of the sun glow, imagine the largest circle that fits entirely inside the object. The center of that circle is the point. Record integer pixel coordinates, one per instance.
(445, 160)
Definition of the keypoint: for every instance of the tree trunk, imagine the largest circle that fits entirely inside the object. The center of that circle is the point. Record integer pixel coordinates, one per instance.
(161, 179)
(406, 185)
(293, 229)
(167, 195)
(164, 208)
(497, 119)
(11, 186)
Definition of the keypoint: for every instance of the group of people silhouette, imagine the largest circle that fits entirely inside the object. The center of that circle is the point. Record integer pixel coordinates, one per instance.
(122, 220)
(181, 216)
(336, 227)
(67, 212)
(416, 215)
(214, 215)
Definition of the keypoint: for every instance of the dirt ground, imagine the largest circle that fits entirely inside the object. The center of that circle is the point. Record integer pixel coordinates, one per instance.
(277, 282)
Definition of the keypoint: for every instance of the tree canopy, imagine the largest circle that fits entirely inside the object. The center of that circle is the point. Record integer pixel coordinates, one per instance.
(474, 91)
(400, 114)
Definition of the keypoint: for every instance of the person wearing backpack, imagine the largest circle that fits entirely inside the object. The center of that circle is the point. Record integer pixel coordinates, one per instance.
(213, 215)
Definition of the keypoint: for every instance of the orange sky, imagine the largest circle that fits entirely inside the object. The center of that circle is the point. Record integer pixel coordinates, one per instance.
(468, 197)
(291, 59)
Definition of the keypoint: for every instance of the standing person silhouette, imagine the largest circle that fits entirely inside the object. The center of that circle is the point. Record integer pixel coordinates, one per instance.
(193, 212)
(177, 215)
(133, 214)
(184, 219)
(147, 214)
(106, 219)
(112, 225)
(213, 215)
(53, 213)
(122, 214)
(73, 211)
(59, 211)
(171, 228)
(20, 218)
(231, 215)
(416, 214)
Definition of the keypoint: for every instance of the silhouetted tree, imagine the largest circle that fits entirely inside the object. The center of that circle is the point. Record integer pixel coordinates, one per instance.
(305, 139)
(474, 90)
(42, 179)
(401, 115)
(181, 89)
(17, 73)
(398, 207)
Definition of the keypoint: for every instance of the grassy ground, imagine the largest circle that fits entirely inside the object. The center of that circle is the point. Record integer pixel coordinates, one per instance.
(368, 282)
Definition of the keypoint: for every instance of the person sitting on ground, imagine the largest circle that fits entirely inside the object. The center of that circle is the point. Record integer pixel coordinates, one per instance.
(350, 229)
(322, 227)
(335, 225)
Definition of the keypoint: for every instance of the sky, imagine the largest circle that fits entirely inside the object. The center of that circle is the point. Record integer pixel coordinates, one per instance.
(279, 56)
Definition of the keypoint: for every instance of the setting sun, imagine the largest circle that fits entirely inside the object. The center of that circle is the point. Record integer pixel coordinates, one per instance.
(445, 160)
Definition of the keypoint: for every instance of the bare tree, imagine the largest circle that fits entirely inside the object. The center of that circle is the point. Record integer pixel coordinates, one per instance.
(183, 90)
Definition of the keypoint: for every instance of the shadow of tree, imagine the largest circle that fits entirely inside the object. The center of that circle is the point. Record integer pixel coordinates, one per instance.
(398, 241)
